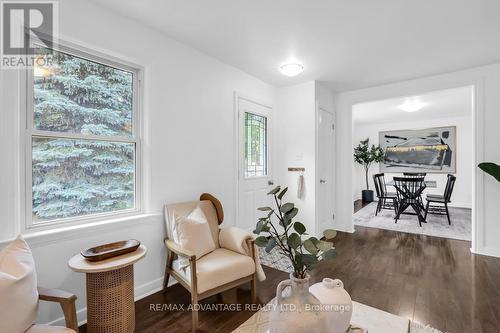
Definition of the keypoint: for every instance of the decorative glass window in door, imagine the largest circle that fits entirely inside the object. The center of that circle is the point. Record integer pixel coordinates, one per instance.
(255, 142)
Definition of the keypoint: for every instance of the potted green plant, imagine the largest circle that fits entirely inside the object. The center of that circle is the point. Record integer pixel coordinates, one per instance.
(491, 169)
(366, 156)
(280, 230)
(291, 236)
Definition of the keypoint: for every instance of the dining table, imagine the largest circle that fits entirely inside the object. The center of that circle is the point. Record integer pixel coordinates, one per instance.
(428, 183)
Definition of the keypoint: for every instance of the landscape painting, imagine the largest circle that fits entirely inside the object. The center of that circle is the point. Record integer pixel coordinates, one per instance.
(429, 150)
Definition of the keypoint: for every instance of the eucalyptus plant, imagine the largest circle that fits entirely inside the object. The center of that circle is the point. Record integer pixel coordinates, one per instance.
(291, 236)
(491, 169)
(366, 155)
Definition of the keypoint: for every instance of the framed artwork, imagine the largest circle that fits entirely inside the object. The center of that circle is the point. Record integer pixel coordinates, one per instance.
(430, 150)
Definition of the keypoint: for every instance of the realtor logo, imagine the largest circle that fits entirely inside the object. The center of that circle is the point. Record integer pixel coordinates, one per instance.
(24, 24)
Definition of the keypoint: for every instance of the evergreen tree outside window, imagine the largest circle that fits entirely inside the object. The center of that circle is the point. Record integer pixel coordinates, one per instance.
(83, 134)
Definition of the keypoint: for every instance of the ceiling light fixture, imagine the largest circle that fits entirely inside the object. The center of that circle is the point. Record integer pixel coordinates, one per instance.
(291, 69)
(412, 105)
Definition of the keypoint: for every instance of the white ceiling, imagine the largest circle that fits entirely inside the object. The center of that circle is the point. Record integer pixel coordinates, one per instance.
(441, 104)
(349, 44)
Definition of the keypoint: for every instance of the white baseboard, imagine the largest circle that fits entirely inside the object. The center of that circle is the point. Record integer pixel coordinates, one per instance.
(140, 292)
(347, 229)
(460, 205)
(487, 251)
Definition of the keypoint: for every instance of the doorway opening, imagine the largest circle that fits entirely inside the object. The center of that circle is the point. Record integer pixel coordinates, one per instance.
(429, 137)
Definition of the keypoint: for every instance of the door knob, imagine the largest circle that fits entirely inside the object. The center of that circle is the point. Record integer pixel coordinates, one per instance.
(322, 181)
(270, 183)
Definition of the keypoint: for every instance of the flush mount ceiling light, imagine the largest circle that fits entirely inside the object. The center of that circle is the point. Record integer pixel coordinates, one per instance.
(412, 105)
(291, 69)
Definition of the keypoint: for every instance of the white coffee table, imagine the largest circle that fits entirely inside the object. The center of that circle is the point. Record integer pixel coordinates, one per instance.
(371, 319)
(378, 321)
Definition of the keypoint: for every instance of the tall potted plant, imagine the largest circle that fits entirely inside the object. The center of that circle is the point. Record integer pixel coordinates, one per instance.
(491, 169)
(366, 156)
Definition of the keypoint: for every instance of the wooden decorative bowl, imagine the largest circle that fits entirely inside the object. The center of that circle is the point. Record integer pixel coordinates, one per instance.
(110, 250)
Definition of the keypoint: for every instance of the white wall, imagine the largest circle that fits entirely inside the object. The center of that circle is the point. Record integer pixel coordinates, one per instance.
(297, 146)
(486, 80)
(188, 111)
(462, 193)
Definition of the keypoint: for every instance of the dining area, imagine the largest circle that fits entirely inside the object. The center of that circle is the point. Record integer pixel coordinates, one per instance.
(406, 195)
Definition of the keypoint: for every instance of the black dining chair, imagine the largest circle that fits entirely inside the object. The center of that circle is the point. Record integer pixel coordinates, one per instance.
(386, 200)
(408, 192)
(414, 174)
(438, 204)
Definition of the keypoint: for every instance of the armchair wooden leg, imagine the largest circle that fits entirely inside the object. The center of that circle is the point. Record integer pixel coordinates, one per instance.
(69, 310)
(194, 295)
(254, 289)
(168, 267)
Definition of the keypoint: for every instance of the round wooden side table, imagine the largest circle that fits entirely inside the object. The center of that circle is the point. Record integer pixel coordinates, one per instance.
(110, 291)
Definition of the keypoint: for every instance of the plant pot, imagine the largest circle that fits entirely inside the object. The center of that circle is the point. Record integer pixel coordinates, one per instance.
(367, 195)
(299, 312)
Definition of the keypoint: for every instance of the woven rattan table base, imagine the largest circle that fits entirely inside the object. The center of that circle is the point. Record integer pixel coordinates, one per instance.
(110, 301)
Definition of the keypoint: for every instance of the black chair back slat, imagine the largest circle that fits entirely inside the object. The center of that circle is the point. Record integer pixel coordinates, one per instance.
(415, 174)
(448, 190)
(380, 186)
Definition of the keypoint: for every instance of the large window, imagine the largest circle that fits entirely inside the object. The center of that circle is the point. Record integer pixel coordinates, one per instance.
(83, 137)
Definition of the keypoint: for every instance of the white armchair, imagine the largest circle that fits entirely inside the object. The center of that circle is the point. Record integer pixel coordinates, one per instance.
(233, 262)
(20, 295)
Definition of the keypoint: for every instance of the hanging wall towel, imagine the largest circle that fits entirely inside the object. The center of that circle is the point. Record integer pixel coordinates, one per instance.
(300, 186)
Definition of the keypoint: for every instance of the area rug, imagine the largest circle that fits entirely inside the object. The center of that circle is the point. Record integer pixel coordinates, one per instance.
(419, 328)
(275, 259)
(372, 319)
(437, 225)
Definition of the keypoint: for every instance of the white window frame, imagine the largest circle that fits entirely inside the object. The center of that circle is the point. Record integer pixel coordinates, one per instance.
(27, 95)
(245, 165)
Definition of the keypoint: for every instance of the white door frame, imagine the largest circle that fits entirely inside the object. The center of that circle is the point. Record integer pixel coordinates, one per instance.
(236, 146)
(478, 111)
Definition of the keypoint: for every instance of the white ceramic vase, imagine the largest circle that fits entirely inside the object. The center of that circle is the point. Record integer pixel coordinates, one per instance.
(299, 312)
(337, 303)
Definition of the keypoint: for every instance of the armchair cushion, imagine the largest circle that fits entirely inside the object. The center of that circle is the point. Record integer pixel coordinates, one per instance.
(49, 329)
(193, 234)
(18, 288)
(218, 268)
(236, 239)
(185, 209)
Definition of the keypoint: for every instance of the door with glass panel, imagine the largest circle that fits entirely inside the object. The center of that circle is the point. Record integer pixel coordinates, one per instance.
(254, 152)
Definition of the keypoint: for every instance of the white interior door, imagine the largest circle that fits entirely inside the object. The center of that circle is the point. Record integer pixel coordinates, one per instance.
(326, 155)
(254, 167)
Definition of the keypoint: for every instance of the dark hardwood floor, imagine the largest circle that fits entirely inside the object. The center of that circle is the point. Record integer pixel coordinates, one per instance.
(358, 204)
(431, 280)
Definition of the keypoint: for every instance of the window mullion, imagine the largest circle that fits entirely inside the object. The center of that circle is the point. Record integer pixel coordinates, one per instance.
(77, 136)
